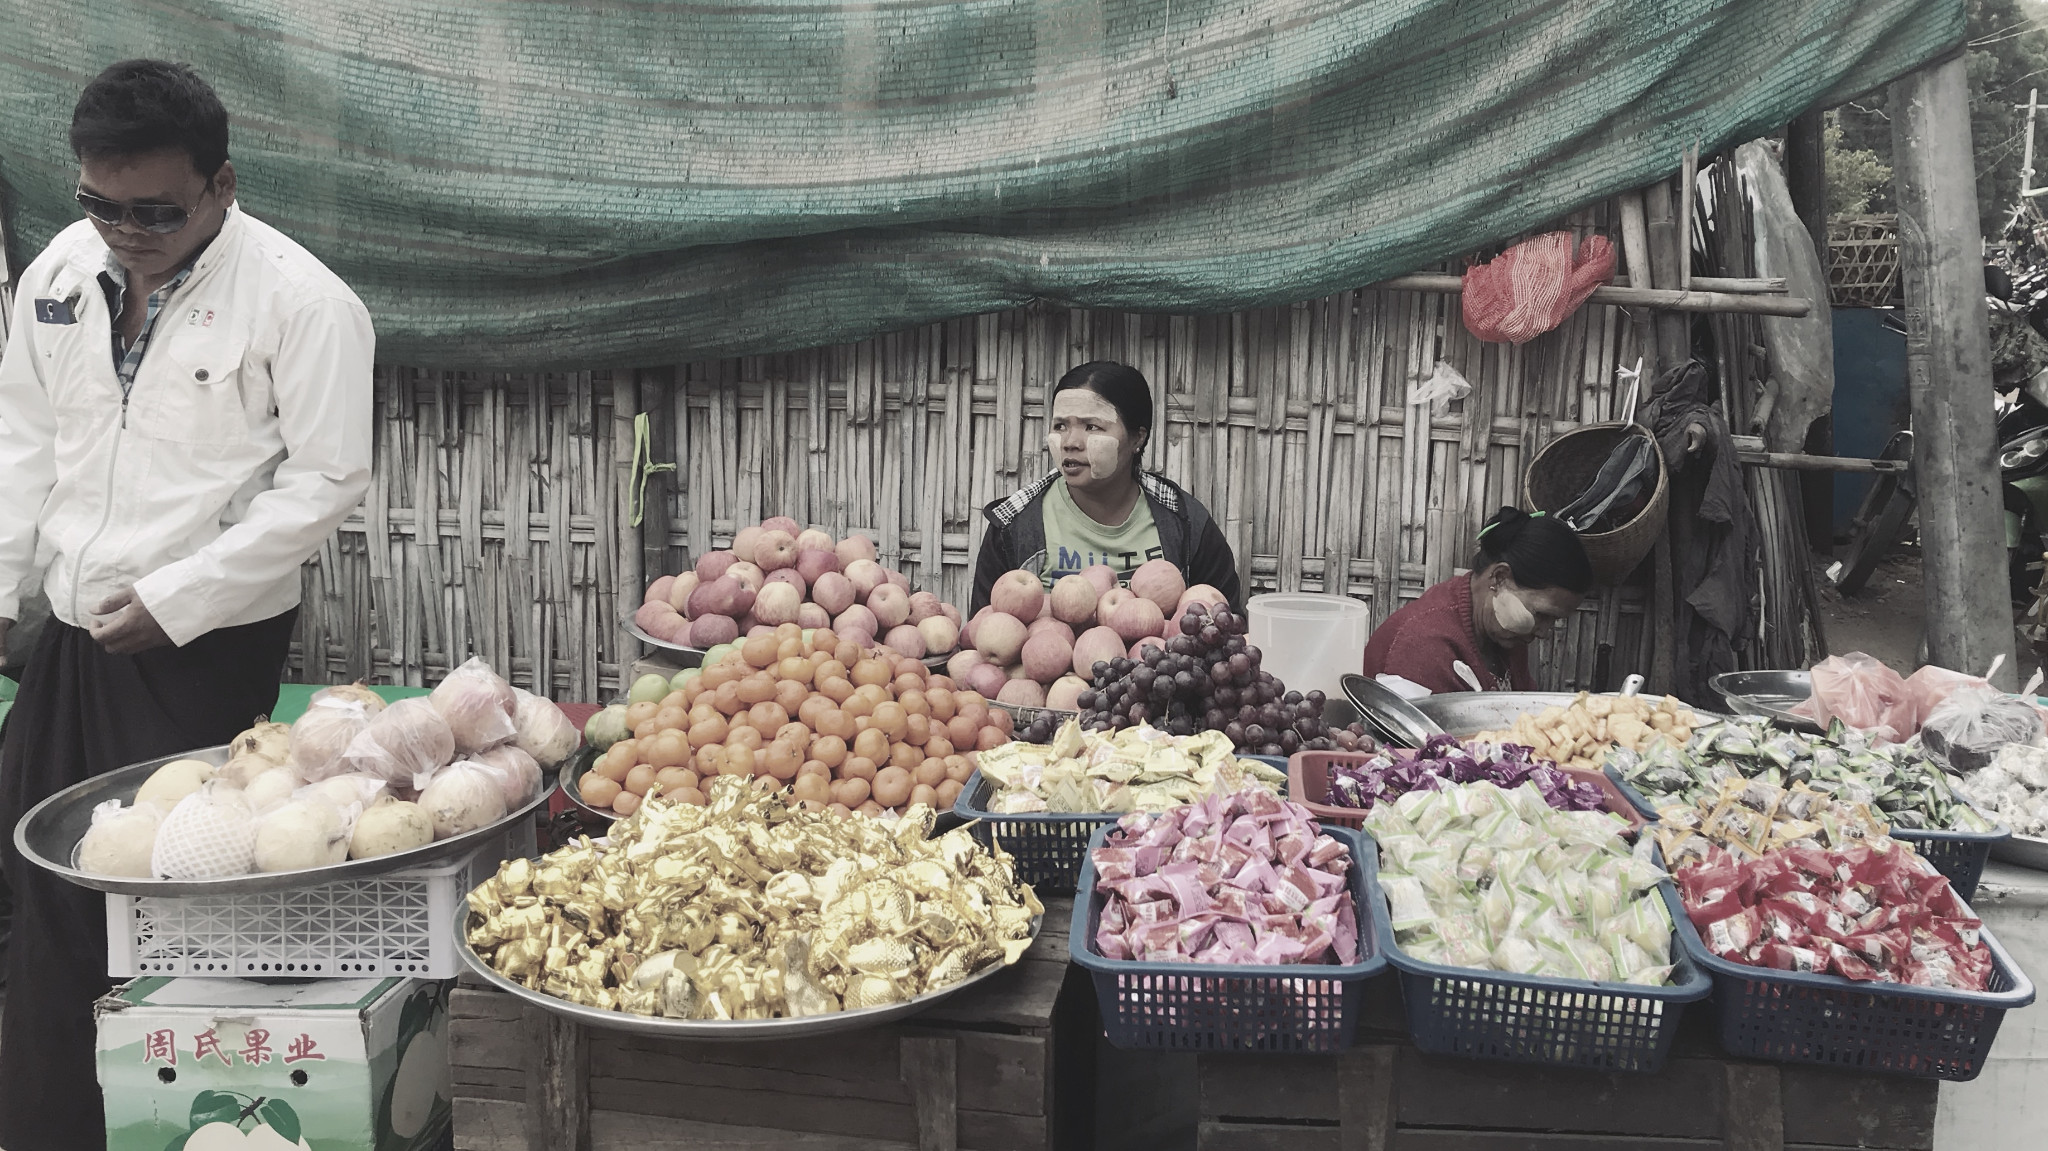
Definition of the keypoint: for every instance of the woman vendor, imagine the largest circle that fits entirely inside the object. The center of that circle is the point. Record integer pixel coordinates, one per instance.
(1472, 632)
(1098, 506)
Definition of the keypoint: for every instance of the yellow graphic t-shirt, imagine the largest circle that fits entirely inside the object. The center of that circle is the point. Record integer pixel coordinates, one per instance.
(1074, 541)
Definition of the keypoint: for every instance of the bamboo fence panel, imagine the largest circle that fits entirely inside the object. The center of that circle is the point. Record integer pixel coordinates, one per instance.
(492, 527)
(1291, 424)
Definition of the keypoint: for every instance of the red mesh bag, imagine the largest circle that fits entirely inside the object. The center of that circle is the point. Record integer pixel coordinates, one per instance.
(1530, 288)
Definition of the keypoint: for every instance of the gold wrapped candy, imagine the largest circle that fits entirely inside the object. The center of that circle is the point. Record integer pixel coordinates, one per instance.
(748, 909)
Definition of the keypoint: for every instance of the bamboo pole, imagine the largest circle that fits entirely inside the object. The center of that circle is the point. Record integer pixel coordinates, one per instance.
(1948, 358)
(1662, 299)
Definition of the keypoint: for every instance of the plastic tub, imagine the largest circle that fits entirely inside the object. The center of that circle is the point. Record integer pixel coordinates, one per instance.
(1893, 1028)
(1309, 642)
(1300, 1007)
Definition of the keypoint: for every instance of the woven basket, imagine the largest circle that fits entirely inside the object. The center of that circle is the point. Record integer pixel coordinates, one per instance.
(1571, 461)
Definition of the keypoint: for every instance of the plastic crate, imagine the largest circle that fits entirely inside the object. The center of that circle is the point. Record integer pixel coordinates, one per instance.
(1891, 1028)
(1308, 784)
(1503, 1015)
(1232, 1007)
(1049, 848)
(399, 923)
(1959, 855)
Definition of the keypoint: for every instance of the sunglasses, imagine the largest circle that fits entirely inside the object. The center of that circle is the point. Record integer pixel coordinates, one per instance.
(157, 219)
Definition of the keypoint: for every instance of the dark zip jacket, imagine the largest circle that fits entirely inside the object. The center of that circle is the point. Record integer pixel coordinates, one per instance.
(1188, 537)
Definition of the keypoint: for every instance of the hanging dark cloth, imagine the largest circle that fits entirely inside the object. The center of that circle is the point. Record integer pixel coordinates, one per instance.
(82, 713)
(1715, 548)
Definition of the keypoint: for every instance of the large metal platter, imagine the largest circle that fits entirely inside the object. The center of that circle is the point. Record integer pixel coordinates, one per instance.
(1468, 712)
(1392, 719)
(694, 656)
(1768, 693)
(2023, 850)
(736, 1029)
(48, 838)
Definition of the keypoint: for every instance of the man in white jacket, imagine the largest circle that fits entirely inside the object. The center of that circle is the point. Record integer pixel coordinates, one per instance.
(184, 418)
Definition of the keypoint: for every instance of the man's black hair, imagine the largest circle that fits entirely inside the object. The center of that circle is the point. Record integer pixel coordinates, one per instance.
(140, 106)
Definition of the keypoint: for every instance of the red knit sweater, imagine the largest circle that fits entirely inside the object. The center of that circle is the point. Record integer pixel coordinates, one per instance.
(1419, 642)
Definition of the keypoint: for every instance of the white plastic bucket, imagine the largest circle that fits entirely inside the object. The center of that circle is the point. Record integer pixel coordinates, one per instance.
(1309, 641)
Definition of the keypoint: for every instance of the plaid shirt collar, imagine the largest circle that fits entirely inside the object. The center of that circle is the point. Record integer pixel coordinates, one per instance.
(128, 360)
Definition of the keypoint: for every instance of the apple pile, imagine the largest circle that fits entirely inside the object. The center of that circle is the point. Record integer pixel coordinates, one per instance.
(1034, 648)
(777, 573)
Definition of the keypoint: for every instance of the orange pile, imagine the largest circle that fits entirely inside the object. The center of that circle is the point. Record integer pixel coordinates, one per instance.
(845, 727)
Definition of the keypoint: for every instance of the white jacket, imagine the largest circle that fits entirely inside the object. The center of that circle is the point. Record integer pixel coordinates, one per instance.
(244, 442)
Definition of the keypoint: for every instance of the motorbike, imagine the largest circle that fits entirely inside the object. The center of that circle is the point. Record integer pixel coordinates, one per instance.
(2021, 433)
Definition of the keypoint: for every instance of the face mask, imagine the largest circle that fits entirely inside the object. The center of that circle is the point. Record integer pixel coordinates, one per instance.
(1513, 616)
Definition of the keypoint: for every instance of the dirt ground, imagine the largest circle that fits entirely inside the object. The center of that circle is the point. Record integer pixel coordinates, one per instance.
(1885, 619)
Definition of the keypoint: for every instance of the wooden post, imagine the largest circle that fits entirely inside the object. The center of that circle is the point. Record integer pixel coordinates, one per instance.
(1806, 173)
(1948, 372)
(1668, 250)
(631, 575)
(930, 1068)
(557, 1083)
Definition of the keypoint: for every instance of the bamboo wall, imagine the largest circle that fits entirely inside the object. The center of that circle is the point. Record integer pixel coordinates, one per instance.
(492, 526)
(1291, 424)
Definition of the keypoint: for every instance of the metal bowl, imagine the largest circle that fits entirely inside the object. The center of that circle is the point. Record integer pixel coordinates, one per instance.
(1395, 721)
(1768, 693)
(735, 1029)
(49, 834)
(2022, 851)
(572, 774)
(1469, 712)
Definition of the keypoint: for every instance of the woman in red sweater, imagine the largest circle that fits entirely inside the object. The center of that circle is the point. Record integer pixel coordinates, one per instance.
(1472, 632)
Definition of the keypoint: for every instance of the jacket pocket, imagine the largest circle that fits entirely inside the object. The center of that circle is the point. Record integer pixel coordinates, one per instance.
(190, 392)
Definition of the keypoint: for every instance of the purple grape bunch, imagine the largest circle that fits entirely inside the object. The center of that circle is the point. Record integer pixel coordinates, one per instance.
(1207, 678)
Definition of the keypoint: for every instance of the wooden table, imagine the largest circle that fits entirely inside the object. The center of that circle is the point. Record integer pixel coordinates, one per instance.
(1004, 1065)
(1385, 1094)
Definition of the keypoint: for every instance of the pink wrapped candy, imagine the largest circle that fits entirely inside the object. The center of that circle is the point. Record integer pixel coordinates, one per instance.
(1238, 878)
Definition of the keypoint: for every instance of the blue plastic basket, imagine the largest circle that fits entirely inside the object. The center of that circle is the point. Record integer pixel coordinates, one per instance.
(1232, 1007)
(1959, 855)
(1048, 848)
(1893, 1028)
(1482, 1014)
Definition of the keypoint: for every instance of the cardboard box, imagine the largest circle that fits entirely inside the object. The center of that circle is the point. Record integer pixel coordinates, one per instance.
(240, 1065)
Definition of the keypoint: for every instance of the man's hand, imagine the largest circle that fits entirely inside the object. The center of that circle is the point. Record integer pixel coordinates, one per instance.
(124, 626)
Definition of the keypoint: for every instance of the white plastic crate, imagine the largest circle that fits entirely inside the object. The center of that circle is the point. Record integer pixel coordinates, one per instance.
(401, 923)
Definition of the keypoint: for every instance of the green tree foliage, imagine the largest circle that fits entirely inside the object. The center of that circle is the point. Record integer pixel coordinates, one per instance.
(2007, 55)
(1856, 177)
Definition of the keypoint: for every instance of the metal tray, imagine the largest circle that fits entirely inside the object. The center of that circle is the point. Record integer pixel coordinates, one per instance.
(2022, 851)
(1469, 712)
(1394, 720)
(48, 837)
(694, 656)
(572, 772)
(1768, 693)
(736, 1029)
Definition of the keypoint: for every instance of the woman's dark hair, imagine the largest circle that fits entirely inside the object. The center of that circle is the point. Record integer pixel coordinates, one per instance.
(141, 106)
(1539, 549)
(1126, 390)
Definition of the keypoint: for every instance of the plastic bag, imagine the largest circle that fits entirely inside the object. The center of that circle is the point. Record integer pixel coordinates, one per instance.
(209, 835)
(120, 840)
(406, 740)
(1930, 686)
(1862, 692)
(544, 732)
(462, 797)
(478, 705)
(1443, 385)
(305, 832)
(519, 774)
(1530, 288)
(1973, 723)
(321, 737)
